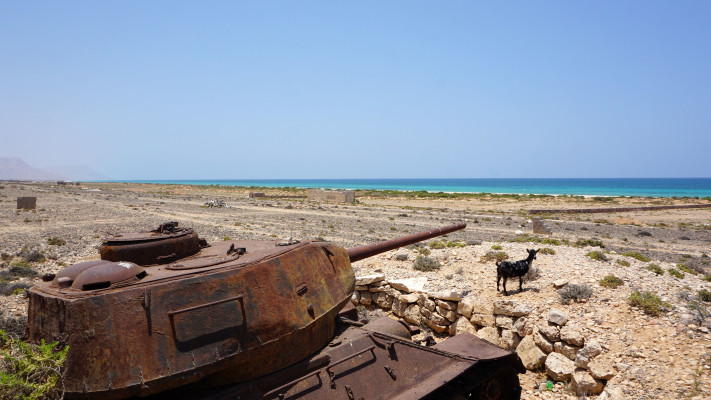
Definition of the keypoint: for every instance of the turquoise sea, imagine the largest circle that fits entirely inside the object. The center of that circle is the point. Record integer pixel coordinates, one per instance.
(647, 187)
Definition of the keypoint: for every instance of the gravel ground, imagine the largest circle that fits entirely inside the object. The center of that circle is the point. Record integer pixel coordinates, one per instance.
(658, 357)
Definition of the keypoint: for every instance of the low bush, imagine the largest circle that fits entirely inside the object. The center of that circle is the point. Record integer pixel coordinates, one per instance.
(456, 244)
(574, 292)
(437, 244)
(401, 257)
(10, 288)
(637, 256)
(30, 371)
(611, 281)
(656, 269)
(496, 247)
(424, 263)
(685, 268)
(53, 241)
(622, 262)
(675, 273)
(495, 256)
(547, 250)
(649, 302)
(589, 242)
(597, 255)
(704, 295)
(532, 274)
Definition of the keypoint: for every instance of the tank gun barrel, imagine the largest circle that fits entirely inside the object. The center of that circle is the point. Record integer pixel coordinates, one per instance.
(369, 250)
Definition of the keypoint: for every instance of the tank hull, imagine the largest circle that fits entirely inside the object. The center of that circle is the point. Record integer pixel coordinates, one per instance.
(229, 322)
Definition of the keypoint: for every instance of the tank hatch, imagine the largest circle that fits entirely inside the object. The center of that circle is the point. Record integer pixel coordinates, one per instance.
(164, 245)
(98, 274)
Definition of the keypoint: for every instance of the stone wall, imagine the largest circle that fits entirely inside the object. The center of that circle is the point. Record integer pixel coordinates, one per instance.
(347, 196)
(549, 341)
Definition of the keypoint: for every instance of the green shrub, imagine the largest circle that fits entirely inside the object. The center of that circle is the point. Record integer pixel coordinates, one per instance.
(675, 273)
(649, 302)
(637, 256)
(656, 269)
(704, 295)
(589, 242)
(622, 262)
(424, 263)
(401, 257)
(685, 268)
(547, 250)
(495, 256)
(611, 281)
(574, 292)
(496, 247)
(22, 271)
(535, 239)
(456, 244)
(30, 371)
(597, 255)
(53, 241)
(437, 244)
(707, 278)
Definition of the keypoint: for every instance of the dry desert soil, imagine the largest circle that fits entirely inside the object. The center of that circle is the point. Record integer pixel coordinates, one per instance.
(653, 357)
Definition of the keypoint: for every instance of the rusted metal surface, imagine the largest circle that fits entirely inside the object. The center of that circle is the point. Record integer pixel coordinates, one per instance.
(163, 245)
(237, 311)
(366, 363)
(271, 308)
(361, 252)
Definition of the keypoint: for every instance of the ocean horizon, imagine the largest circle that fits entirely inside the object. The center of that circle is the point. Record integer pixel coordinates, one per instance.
(636, 187)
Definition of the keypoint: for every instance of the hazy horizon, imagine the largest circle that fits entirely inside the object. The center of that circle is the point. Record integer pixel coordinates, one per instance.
(317, 90)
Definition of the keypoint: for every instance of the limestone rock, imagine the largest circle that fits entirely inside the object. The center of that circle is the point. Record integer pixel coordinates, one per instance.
(366, 298)
(566, 349)
(434, 326)
(412, 314)
(362, 288)
(550, 331)
(409, 285)
(430, 305)
(408, 298)
(450, 295)
(383, 300)
(489, 334)
(557, 317)
(523, 326)
(542, 342)
(601, 369)
(504, 321)
(355, 297)
(449, 314)
(510, 339)
(464, 307)
(448, 305)
(462, 325)
(511, 308)
(591, 350)
(369, 279)
(480, 306)
(399, 307)
(559, 367)
(434, 317)
(531, 356)
(584, 383)
(572, 335)
(560, 283)
(483, 319)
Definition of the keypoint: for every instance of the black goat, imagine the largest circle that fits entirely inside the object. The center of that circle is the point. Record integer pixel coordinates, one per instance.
(511, 269)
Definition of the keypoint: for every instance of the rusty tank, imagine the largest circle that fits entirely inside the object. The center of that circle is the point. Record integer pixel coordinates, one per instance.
(164, 314)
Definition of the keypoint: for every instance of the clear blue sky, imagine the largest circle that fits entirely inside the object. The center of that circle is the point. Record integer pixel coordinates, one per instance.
(360, 89)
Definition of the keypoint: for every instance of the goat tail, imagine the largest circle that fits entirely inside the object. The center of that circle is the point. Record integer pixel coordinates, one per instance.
(497, 262)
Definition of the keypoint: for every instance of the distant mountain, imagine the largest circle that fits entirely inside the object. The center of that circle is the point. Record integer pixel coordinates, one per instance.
(77, 172)
(15, 168)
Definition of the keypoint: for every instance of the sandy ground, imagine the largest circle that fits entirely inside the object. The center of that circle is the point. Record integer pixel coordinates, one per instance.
(656, 357)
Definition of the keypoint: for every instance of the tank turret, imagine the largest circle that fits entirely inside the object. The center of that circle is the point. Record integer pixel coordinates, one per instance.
(163, 309)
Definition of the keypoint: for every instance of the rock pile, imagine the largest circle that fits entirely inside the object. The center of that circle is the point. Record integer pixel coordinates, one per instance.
(551, 341)
(216, 203)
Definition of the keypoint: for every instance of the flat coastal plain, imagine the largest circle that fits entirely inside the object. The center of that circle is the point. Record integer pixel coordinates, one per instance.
(664, 356)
